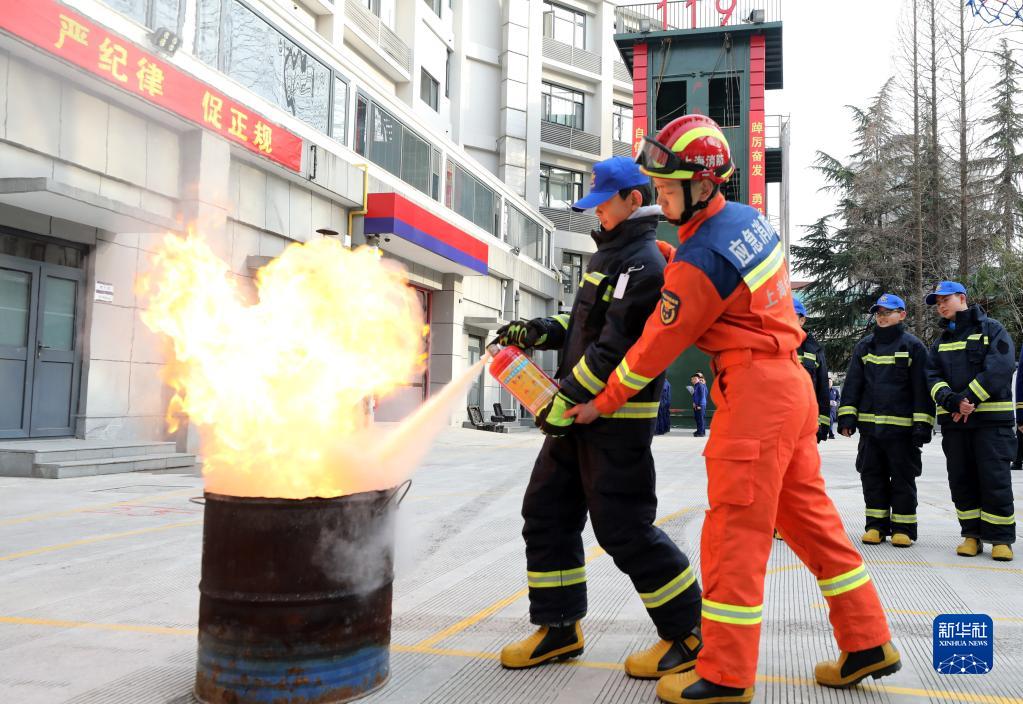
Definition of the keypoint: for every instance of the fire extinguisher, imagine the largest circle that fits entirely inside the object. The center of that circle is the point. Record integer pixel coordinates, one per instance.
(521, 377)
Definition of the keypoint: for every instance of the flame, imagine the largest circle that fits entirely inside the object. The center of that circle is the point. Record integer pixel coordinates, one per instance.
(277, 388)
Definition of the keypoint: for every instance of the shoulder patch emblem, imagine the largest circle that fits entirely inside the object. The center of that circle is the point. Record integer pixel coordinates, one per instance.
(669, 307)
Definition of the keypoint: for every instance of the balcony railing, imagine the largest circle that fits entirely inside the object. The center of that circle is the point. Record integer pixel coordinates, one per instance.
(570, 138)
(570, 221)
(621, 148)
(622, 73)
(369, 24)
(568, 54)
(651, 17)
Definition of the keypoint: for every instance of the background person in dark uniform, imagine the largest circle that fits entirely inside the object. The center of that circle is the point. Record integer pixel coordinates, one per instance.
(811, 356)
(835, 396)
(605, 468)
(700, 396)
(885, 395)
(970, 378)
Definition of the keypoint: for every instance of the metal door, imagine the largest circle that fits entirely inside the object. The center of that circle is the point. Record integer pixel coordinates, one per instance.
(40, 348)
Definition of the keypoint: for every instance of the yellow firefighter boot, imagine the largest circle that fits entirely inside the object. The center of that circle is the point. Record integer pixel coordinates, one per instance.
(970, 547)
(853, 667)
(872, 537)
(1002, 553)
(901, 540)
(548, 643)
(688, 688)
(665, 657)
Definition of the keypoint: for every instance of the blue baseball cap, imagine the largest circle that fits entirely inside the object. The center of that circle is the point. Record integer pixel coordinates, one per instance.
(945, 288)
(889, 301)
(800, 308)
(609, 177)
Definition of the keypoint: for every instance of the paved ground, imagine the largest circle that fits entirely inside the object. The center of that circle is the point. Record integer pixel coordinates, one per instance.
(98, 589)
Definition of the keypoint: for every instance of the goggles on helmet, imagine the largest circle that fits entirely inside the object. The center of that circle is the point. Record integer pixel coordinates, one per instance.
(656, 158)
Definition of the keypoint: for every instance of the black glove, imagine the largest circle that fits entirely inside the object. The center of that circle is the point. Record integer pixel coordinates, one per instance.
(552, 421)
(922, 434)
(522, 333)
(952, 401)
(846, 423)
(822, 433)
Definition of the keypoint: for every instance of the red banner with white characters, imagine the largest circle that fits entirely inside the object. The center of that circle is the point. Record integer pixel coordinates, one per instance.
(64, 33)
(757, 149)
(639, 97)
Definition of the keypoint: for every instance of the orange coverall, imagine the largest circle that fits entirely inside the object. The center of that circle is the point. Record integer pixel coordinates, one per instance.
(728, 291)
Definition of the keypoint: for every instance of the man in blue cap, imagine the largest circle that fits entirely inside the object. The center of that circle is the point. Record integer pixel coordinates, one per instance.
(885, 397)
(605, 468)
(811, 356)
(970, 379)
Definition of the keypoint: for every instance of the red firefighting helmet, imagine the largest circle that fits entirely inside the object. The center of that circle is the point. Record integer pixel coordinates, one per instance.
(691, 146)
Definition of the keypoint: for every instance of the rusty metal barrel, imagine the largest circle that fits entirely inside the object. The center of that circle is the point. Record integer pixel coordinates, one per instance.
(295, 598)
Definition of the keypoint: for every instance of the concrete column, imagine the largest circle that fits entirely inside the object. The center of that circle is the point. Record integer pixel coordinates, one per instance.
(447, 340)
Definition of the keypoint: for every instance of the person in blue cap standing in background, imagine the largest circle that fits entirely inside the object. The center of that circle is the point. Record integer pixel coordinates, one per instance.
(811, 356)
(970, 379)
(605, 469)
(700, 397)
(885, 397)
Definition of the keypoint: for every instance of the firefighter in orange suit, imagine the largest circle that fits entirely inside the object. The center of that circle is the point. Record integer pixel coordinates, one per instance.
(727, 291)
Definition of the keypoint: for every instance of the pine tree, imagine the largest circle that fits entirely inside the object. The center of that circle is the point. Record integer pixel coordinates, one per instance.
(1006, 163)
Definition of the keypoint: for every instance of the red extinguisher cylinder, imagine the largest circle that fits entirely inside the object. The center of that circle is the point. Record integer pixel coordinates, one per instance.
(522, 377)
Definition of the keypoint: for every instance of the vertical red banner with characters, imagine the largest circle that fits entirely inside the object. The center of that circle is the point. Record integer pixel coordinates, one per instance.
(67, 35)
(757, 179)
(639, 97)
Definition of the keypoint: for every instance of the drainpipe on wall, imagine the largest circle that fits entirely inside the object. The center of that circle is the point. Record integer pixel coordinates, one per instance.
(365, 201)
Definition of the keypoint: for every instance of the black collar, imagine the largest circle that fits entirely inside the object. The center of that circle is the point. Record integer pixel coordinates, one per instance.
(642, 224)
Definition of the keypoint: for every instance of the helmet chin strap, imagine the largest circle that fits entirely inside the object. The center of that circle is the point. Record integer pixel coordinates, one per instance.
(689, 208)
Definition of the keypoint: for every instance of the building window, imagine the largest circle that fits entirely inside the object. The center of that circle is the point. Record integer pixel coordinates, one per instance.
(250, 50)
(373, 6)
(152, 13)
(572, 273)
(429, 90)
(671, 102)
(621, 123)
(435, 5)
(724, 101)
(559, 188)
(528, 235)
(564, 24)
(388, 143)
(472, 199)
(447, 75)
(339, 124)
(562, 106)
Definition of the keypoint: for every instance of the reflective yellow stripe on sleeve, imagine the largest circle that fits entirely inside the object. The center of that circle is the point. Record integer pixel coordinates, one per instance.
(594, 277)
(629, 378)
(562, 319)
(923, 418)
(937, 387)
(669, 591)
(979, 390)
(586, 378)
(848, 411)
(844, 582)
(557, 578)
(732, 613)
(824, 420)
(808, 355)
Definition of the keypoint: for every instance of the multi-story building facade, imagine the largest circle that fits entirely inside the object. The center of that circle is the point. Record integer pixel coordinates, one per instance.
(273, 122)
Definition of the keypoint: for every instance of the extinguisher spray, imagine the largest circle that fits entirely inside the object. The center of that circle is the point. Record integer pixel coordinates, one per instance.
(522, 377)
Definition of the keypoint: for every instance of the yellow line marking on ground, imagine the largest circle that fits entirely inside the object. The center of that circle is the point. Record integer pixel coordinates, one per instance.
(453, 652)
(127, 627)
(929, 614)
(593, 553)
(84, 509)
(96, 539)
(953, 565)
